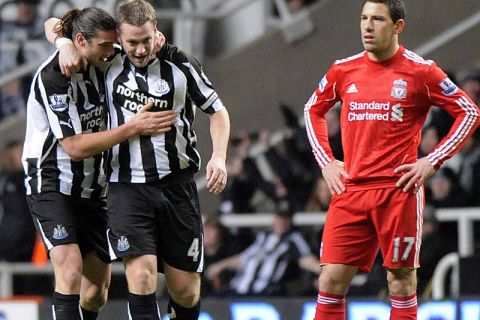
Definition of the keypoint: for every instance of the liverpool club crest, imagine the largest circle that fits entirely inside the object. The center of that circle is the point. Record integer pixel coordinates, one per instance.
(399, 89)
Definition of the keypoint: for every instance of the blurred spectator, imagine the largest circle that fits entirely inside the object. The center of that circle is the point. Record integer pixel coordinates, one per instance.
(429, 140)
(444, 190)
(270, 266)
(292, 5)
(295, 5)
(17, 233)
(17, 48)
(370, 284)
(299, 171)
(320, 198)
(166, 25)
(246, 183)
(469, 175)
(435, 245)
(219, 243)
(471, 85)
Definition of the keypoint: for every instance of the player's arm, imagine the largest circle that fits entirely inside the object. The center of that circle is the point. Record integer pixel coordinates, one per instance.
(230, 263)
(70, 59)
(324, 98)
(310, 263)
(202, 93)
(442, 92)
(216, 168)
(81, 146)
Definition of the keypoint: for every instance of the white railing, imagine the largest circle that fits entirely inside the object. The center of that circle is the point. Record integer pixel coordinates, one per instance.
(464, 217)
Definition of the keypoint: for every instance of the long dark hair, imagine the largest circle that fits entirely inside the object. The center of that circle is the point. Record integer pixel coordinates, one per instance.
(85, 21)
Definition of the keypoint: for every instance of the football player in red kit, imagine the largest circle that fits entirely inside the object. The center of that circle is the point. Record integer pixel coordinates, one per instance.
(386, 92)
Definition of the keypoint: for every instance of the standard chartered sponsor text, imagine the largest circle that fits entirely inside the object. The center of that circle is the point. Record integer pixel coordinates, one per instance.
(352, 116)
(369, 105)
(140, 99)
(369, 116)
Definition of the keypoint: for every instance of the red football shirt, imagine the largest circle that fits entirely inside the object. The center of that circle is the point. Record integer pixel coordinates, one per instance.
(384, 106)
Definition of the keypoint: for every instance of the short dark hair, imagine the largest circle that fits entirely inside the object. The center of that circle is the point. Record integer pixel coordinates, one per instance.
(85, 21)
(395, 7)
(135, 13)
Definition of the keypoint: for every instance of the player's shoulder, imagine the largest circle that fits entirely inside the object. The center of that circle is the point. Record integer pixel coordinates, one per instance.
(172, 53)
(178, 57)
(416, 60)
(351, 60)
(51, 73)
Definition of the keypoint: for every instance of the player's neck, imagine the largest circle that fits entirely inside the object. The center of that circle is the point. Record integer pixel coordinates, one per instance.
(385, 54)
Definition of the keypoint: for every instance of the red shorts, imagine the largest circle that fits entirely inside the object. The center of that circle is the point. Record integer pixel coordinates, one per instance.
(358, 222)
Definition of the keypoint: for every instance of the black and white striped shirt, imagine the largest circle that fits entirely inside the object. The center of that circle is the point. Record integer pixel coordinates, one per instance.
(174, 81)
(265, 262)
(60, 107)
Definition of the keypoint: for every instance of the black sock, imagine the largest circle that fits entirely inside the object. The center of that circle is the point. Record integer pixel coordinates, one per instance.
(66, 306)
(177, 312)
(143, 307)
(89, 315)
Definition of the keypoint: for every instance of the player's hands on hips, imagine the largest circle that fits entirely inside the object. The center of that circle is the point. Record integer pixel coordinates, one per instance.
(415, 174)
(70, 60)
(333, 173)
(150, 123)
(216, 174)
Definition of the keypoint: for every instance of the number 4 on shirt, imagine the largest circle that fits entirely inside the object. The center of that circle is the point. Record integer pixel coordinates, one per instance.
(193, 250)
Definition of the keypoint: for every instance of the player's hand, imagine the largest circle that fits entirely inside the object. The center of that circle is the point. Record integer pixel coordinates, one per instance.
(333, 173)
(213, 271)
(416, 174)
(159, 41)
(151, 123)
(70, 60)
(216, 174)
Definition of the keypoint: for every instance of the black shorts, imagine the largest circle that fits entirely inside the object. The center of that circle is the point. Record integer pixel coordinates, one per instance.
(62, 219)
(161, 219)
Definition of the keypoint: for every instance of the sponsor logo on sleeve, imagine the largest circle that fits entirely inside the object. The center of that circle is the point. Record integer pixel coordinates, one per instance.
(448, 87)
(58, 102)
(323, 83)
(399, 89)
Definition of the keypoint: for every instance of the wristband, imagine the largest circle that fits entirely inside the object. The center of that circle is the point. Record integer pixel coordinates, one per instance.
(62, 41)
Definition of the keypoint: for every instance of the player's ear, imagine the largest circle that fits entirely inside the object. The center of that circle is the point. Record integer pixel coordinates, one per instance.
(80, 38)
(399, 26)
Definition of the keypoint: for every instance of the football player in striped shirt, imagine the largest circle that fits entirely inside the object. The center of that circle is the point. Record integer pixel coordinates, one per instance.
(64, 165)
(378, 200)
(153, 206)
